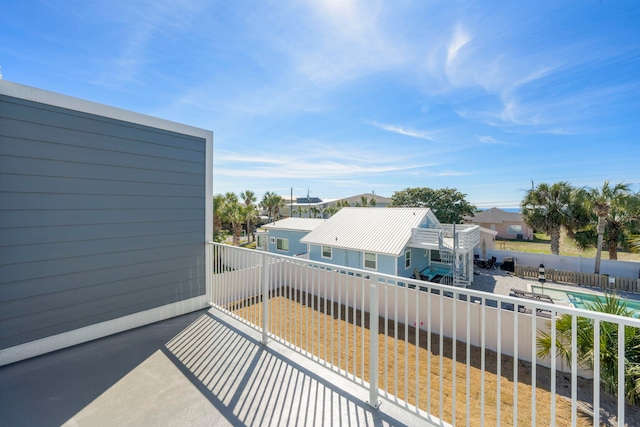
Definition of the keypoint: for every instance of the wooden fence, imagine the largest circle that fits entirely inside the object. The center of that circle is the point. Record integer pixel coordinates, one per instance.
(602, 281)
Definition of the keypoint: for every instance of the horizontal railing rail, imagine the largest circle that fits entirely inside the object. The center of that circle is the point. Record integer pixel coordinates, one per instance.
(449, 355)
(426, 236)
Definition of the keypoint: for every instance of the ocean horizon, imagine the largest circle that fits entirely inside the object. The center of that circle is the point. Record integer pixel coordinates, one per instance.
(516, 210)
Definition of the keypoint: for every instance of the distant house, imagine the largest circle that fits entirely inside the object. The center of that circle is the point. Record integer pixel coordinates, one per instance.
(380, 201)
(395, 241)
(509, 225)
(315, 207)
(283, 237)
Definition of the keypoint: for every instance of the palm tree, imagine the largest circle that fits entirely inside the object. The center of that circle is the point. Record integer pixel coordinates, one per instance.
(233, 212)
(364, 202)
(550, 208)
(272, 202)
(278, 202)
(250, 216)
(634, 244)
(267, 202)
(313, 211)
(608, 346)
(218, 203)
(372, 202)
(343, 204)
(616, 210)
(249, 198)
(332, 210)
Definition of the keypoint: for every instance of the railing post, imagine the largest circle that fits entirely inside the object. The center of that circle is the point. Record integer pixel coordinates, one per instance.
(265, 299)
(374, 283)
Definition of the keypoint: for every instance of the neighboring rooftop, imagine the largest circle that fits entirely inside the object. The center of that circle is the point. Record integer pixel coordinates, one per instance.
(380, 200)
(494, 216)
(295, 224)
(379, 230)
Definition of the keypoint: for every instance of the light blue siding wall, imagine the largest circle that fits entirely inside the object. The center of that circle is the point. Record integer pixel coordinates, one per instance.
(295, 247)
(352, 259)
(387, 264)
(418, 260)
(343, 257)
(99, 218)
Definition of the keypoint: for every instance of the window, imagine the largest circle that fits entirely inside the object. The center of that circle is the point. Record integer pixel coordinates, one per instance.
(435, 255)
(326, 252)
(515, 229)
(407, 259)
(370, 260)
(282, 245)
(272, 240)
(260, 243)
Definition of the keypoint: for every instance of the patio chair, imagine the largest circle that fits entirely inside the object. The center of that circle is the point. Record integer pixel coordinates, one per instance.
(491, 264)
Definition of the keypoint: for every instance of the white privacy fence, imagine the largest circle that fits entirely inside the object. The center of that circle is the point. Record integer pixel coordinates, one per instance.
(571, 263)
(441, 352)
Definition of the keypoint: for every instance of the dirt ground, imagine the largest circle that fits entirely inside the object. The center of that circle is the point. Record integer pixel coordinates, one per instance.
(423, 375)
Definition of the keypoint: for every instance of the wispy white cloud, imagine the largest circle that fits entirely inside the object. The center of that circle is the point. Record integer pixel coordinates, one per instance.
(141, 24)
(492, 141)
(460, 38)
(312, 164)
(406, 132)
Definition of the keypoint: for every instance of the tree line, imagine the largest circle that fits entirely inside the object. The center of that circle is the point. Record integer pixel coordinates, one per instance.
(606, 217)
(231, 212)
(602, 217)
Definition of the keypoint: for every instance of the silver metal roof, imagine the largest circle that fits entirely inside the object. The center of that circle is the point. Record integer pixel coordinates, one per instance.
(296, 224)
(380, 230)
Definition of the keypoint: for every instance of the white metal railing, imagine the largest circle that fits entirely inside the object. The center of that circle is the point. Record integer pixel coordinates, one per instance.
(468, 236)
(431, 349)
(426, 236)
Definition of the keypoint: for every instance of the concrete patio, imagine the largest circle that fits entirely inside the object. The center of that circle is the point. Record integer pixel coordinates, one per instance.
(201, 369)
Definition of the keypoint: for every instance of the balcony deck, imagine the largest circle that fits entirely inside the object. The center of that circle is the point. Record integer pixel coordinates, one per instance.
(204, 368)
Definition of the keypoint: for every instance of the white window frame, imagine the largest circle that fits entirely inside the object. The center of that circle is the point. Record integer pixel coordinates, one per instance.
(322, 250)
(407, 257)
(280, 239)
(513, 227)
(375, 261)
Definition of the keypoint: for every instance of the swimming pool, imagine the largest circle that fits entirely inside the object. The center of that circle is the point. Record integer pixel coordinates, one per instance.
(581, 299)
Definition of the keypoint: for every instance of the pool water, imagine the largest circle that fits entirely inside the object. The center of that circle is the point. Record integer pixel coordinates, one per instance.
(581, 299)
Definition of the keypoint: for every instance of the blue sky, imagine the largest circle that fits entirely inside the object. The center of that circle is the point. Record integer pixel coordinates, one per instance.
(344, 97)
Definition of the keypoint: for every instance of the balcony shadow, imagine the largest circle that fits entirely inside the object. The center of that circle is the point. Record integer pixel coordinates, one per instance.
(250, 384)
(49, 390)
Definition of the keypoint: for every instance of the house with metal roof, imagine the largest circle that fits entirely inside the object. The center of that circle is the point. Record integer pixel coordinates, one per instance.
(509, 225)
(283, 237)
(402, 242)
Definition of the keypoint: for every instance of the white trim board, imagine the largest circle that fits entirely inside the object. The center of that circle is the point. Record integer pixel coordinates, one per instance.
(41, 96)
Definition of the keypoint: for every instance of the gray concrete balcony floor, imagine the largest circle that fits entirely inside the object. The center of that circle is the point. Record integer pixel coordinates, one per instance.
(200, 369)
